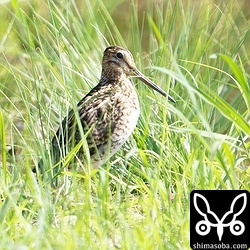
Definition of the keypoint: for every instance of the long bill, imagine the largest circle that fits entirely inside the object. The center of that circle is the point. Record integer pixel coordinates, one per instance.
(147, 81)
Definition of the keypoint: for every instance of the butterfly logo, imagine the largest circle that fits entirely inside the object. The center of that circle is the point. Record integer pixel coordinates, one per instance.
(210, 219)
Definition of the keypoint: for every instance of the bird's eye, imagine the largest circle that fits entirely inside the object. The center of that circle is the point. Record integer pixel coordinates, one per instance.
(119, 55)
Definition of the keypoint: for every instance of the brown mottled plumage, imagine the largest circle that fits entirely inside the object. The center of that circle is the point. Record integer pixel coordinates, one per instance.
(108, 113)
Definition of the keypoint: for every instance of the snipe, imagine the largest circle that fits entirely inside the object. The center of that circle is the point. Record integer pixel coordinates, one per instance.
(107, 115)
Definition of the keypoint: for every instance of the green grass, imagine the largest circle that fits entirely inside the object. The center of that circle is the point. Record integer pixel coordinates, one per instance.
(51, 57)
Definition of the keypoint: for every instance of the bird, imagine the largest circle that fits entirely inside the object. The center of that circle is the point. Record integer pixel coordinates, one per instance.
(105, 117)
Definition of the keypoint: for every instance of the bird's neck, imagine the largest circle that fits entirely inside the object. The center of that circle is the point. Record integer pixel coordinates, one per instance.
(112, 72)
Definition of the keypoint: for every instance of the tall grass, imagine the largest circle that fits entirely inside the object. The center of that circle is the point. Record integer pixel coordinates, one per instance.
(51, 54)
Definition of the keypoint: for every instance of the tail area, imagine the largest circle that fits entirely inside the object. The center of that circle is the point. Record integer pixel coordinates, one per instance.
(49, 166)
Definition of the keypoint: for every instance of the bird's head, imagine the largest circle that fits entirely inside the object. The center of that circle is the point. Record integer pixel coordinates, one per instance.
(118, 62)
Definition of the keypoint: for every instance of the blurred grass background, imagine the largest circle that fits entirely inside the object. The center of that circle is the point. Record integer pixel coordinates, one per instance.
(51, 57)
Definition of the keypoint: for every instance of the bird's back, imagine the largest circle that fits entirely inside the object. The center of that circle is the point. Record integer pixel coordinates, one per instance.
(108, 115)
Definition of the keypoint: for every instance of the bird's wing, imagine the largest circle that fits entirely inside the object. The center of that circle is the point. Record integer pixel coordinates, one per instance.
(94, 113)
